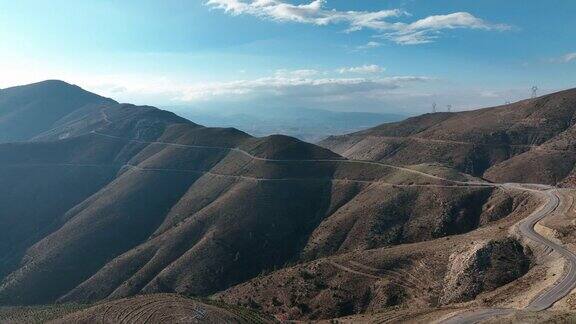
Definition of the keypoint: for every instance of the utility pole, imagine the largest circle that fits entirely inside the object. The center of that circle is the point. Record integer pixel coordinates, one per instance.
(434, 108)
(449, 108)
(534, 92)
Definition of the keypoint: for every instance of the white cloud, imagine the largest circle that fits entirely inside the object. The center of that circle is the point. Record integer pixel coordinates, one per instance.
(413, 38)
(293, 87)
(369, 45)
(304, 73)
(312, 13)
(421, 31)
(454, 20)
(569, 57)
(427, 29)
(364, 69)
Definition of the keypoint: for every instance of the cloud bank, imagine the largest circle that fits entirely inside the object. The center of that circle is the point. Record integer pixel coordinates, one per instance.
(421, 31)
(315, 89)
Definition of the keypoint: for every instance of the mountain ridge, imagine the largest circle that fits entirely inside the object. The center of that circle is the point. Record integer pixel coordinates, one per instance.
(484, 142)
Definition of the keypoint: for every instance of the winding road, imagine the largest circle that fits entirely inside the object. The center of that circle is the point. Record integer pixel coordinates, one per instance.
(526, 227)
(548, 297)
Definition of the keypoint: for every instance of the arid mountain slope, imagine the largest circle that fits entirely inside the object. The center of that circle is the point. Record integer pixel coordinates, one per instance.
(196, 220)
(528, 141)
(118, 200)
(149, 202)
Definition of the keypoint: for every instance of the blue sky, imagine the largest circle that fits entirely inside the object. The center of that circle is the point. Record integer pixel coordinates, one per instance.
(365, 55)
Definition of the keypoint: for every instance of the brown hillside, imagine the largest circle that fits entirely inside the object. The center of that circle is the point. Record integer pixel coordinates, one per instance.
(418, 277)
(170, 206)
(503, 143)
(120, 200)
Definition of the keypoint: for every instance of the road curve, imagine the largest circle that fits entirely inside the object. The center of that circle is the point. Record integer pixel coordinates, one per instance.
(548, 297)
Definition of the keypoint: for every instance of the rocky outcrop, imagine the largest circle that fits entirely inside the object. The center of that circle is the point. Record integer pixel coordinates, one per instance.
(485, 266)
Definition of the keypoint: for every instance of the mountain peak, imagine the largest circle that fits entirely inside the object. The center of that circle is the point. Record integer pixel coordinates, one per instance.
(27, 110)
(54, 82)
(46, 84)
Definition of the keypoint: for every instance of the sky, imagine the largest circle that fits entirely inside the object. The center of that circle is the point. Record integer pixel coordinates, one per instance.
(365, 55)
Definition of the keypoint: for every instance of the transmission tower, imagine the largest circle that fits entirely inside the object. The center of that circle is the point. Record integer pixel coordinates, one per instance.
(534, 92)
(434, 108)
(449, 108)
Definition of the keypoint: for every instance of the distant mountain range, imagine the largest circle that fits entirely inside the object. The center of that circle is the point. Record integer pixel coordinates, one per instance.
(104, 201)
(310, 125)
